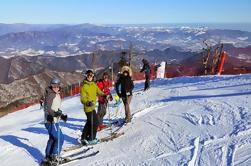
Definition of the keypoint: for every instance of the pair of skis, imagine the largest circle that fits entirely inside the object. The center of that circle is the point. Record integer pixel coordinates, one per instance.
(104, 139)
(115, 134)
(72, 157)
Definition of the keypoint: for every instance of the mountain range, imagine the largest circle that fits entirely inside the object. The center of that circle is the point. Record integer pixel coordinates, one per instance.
(41, 51)
(68, 40)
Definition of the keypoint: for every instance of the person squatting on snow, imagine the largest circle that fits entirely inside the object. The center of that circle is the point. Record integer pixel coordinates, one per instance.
(104, 85)
(88, 95)
(125, 91)
(147, 69)
(52, 115)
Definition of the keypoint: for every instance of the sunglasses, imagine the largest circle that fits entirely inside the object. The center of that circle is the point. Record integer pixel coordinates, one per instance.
(90, 75)
(55, 86)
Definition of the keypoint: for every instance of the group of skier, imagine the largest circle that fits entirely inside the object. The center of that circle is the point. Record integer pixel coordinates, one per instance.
(90, 91)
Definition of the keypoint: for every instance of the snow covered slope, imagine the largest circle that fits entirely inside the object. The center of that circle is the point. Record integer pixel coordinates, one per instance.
(180, 121)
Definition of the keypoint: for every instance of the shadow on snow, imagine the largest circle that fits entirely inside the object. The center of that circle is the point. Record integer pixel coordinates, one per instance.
(18, 141)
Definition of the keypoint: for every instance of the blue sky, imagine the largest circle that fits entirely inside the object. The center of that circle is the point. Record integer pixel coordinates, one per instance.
(125, 11)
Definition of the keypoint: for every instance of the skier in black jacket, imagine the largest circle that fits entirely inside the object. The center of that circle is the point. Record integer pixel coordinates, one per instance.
(147, 69)
(125, 92)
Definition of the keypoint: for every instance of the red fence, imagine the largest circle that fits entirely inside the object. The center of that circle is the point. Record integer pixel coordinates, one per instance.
(25, 105)
(68, 90)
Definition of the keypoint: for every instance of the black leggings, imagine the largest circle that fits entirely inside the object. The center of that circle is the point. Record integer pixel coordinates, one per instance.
(147, 83)
(90, 129)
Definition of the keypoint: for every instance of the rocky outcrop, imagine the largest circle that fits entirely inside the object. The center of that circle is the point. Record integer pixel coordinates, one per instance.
(32, 88)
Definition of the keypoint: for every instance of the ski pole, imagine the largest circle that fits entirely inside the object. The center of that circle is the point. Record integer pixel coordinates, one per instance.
(109, 116)
(92, 125)
(58, 142)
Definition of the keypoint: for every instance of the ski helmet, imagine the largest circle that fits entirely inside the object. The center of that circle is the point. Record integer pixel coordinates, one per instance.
(55, 80)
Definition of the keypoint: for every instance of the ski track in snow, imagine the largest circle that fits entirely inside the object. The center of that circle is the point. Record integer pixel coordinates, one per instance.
(180, 121)
(195, 152)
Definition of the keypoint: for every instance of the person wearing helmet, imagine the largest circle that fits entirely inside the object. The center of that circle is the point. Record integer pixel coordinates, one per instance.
(88, 95)
(104, 85)
(52, 115)
(124, 87)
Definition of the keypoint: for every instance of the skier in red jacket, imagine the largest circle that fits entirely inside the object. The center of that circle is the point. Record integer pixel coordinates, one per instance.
(104, 85)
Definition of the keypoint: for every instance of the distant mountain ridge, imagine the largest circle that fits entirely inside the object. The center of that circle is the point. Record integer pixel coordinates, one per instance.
(66, 40)
(21, 27)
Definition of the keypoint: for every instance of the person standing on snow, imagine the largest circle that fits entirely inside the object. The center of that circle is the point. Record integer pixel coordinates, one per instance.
(125, 91)
(146, 68)
(88, 95)
(41, 102)
(52, 115)
(104, 85)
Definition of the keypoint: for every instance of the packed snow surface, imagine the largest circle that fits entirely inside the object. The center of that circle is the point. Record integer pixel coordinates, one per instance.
(180, 121)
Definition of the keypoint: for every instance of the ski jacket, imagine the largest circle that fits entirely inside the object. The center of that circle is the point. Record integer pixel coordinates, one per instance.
(126, 86)
(104, 86)
(52, 103)
(89, 92)
(146, 68)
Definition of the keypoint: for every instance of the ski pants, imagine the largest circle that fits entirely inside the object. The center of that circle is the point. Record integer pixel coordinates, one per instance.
(147, 82)
(127, 100)
(56, 139)
(90, 129)
(101, 112)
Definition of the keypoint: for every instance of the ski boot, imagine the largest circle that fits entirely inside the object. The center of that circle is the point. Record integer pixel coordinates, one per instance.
(84, 142)
(94, 141)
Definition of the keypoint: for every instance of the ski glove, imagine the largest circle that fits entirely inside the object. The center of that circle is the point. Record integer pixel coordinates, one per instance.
(58, 113)
(64, 117)
(89, 104)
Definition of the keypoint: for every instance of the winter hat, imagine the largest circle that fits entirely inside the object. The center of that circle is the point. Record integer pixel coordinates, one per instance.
(105, 74)
(89, 72)
(127, 69)
(144, 61)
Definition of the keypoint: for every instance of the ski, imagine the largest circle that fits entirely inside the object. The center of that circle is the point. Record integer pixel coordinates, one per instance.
(73, 147)
(78, 158)
(111, 137)
(78, 153)
(114, 135)
(68, 159)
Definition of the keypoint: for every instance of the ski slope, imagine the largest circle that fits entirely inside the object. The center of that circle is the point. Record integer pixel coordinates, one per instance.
(180, 121)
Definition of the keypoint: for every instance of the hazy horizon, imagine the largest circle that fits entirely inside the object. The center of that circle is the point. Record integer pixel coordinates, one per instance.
(246, 26)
